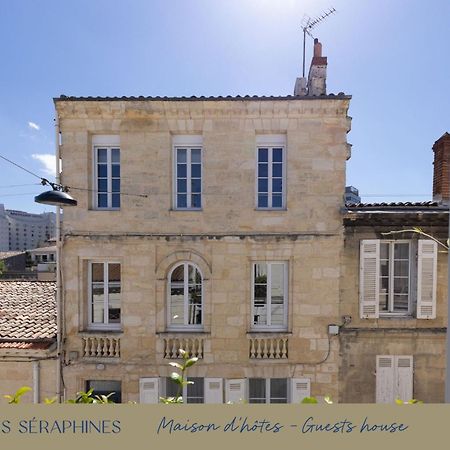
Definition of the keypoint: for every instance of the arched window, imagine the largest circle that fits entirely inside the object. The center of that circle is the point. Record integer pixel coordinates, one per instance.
(185, 309)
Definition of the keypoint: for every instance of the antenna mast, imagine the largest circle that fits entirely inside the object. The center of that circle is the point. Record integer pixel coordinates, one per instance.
(308, 25)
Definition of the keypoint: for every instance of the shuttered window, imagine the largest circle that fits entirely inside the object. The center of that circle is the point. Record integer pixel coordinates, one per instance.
(394, 378)
(392, 278)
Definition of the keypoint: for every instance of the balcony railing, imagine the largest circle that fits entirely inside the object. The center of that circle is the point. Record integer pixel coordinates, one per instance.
(192, 345)
(268, 348)
(101, 347)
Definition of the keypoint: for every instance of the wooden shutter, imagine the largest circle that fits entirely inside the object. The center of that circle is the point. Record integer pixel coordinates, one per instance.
(385, 379)
(149, 390)
(404, 378)
(235, 391)
(213, 390)
(369, 280)
(300, 388)
(426, 279)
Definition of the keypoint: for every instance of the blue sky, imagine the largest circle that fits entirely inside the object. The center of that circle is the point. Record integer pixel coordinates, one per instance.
(390, 55)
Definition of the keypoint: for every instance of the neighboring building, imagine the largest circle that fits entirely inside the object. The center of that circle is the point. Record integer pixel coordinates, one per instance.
(14, 261)
(210, 224)
(394, 297)
(28, 338)
(20, 230)
(351, 195)
(44, 262)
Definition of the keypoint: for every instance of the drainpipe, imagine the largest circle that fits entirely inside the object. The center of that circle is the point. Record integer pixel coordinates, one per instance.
(59, 312)
(36, 381)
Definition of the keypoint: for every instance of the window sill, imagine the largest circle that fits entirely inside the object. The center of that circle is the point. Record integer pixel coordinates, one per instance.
(396, 316)
(268, 332)
(101, 331)
(186, 209)
(169, 332)
(105, 209)
(271, 209)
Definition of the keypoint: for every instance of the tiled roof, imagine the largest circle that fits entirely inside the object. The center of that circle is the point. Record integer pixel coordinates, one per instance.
(338, 96)
(49, 249)
(4, 255)
(27, 311)
(429, 205)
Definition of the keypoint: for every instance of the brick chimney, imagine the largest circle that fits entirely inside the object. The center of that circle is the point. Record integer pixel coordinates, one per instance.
(317, 77)
(441, 185)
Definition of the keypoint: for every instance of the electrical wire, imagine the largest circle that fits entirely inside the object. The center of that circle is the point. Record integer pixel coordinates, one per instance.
(21, 167)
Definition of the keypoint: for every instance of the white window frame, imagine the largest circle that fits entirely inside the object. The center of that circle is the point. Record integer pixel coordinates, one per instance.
(269, 327)
(105, 325)
(270, 142)
(411, 262)
(185, 326)
(189, 143)
(108, 143)
(267, 381)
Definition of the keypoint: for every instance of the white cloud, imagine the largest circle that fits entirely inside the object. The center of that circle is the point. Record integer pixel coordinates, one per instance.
(33, 125)
(48, 160)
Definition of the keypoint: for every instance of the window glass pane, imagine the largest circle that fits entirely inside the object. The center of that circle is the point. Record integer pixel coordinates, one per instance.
(196, 155)
(384, 268)
(116, 185)
(182, 185)
(98, 303)
(278, 390)
(106, 387)
(196, 185)
(114, 303)
(383, 299)
(102, 155)
(181, 170)
(263, 155)
(181, 201)
(194, 276)
(97, 272)
(277, 185)
(384, 250)
(260, 294)
(196, 170)
(263, 185)
(277, 155)
(257, 390)
(401, 285)
(263, 201)
(195, 306)
(263, 170)
(181, 155)
(102, 170)
(400, 303)
(277, 294)
(116, 200)
(195, 392)
(102, 185)
(196, 201)
(401, 268)
(114, 272)
(177, 305)
(171, 388)
(277, 170)
(115, 155)
(401, 251)
(115, 170)
(277, 201)
(178, 274)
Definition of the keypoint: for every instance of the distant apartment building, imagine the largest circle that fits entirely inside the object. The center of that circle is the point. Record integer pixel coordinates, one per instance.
(20, 230)
(352, 195)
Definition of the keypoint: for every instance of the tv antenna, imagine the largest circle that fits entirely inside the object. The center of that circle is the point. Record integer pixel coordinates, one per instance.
(308, 25)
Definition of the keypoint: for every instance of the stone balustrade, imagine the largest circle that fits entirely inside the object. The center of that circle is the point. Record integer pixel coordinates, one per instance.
(101, 347)
(192, 345)
(268, 348)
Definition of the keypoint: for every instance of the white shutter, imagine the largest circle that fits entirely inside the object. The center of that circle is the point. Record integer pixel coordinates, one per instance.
(149, 390)
(426, 279)
(213, 390)
(385, 379)
(235, 391)
(369, 279)
(300, 388)
(404, 377)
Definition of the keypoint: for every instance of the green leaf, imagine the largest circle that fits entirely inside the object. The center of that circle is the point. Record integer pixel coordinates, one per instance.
(181, 352)
(309, 400)
(190, 362)
(328, 400)
(398, 401)
(22, 391)
(175, 364)
(176, 377)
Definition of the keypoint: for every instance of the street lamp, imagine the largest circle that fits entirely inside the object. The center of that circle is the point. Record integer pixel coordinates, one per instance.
(58, 196)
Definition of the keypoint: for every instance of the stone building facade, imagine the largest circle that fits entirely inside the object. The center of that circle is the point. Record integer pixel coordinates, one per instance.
(208, 224)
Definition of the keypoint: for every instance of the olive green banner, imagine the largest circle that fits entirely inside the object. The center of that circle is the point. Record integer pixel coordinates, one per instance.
(222, 426)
